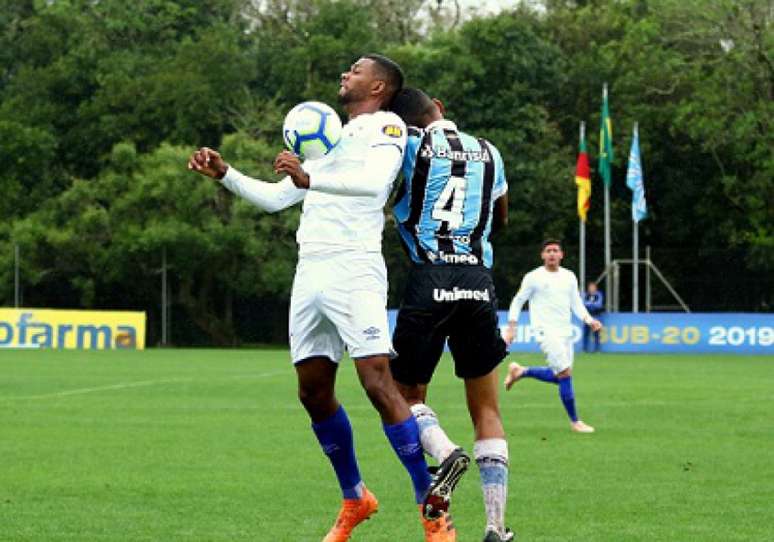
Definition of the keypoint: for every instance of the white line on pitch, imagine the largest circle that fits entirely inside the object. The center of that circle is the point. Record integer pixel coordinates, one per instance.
(126, 385)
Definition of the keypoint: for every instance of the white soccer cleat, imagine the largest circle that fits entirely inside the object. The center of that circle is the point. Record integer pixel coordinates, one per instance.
(515, 372)
(581, 427)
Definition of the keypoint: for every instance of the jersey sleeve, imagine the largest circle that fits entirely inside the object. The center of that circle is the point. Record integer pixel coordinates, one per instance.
(521, 297)
(270, 197)
(413, 140)
(388, 130)
(500, 186)
(384, 155)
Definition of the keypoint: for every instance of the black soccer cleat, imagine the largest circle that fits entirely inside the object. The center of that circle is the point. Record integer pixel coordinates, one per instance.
(492, 536)
(445, 479)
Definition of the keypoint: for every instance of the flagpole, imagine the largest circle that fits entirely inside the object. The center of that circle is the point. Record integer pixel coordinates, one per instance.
(582, 255)
(636, 267)
(648, 297)
(164, 297)
(582, 229)
(608, 256)
(16, 281)
(636, 256)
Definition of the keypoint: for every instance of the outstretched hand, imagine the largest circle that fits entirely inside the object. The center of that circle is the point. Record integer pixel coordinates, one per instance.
(289, 164)
(208, 162)
(508, 334)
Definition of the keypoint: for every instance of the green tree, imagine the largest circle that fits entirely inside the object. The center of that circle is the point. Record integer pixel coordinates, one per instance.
(107, 235)
(495, 76)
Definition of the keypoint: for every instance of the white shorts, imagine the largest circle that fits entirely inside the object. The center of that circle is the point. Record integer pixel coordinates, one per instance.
(559, 351)
(339, 300)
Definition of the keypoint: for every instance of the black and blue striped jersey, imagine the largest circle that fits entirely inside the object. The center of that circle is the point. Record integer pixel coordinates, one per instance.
(444, 206)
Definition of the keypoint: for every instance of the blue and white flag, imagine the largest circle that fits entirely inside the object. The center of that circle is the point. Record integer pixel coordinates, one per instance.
(635, 181)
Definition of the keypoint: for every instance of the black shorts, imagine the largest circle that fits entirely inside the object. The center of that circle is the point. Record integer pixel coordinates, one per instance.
(447, 302)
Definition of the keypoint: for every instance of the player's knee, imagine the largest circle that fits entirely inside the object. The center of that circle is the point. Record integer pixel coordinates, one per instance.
(314, 397)
(377, 390)
(413, 393)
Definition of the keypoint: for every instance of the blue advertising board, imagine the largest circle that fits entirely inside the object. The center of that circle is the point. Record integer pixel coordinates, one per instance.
(665, 332)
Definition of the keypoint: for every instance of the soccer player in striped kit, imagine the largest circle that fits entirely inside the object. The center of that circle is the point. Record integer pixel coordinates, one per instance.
(453, 193)
(552, 292)
(340, 288)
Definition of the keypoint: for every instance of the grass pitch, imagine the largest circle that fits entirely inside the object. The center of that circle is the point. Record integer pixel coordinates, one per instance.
(205, 445)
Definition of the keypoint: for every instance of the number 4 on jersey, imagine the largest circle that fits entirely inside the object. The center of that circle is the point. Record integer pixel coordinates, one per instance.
(448, 207)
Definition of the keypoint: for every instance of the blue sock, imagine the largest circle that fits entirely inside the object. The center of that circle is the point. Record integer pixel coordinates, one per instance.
(335, 437)
(404, 437)
(541, 373)
(568, 397)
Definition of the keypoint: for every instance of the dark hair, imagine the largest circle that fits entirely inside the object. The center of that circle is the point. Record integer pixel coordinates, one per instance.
(551, 242)
(412, 105)
(391, 72)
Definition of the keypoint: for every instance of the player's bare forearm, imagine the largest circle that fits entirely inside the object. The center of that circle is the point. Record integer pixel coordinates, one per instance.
(289, 164)
(208, 162)
(510, 332)
(500, 218)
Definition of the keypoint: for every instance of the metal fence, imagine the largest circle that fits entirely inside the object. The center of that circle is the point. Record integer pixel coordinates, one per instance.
(701, 280)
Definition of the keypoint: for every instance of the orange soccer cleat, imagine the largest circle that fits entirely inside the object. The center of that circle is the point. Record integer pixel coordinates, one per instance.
(352, 513)
(439, 530)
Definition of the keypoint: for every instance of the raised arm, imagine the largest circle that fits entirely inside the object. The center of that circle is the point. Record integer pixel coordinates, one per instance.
(379, 170)
(270, 197)
(386, 138)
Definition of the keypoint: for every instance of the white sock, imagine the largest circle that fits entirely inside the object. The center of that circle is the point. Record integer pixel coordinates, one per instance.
(492, 459)
(434, 439)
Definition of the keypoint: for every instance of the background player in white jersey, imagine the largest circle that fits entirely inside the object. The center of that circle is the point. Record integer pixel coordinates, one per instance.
(340, 287)
(552, 292)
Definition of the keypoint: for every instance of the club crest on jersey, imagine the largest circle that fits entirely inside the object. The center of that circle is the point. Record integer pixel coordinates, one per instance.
(392, 130)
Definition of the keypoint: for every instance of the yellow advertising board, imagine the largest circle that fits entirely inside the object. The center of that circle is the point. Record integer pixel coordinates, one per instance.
(89, 330)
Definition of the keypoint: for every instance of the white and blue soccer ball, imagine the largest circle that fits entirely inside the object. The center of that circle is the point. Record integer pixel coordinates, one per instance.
(311, 130)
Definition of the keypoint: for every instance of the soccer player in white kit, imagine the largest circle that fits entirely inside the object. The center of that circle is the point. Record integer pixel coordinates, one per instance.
(552, 292)
(340, 288)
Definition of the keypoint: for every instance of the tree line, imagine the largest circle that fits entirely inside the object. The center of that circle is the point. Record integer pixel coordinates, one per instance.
(102, 102)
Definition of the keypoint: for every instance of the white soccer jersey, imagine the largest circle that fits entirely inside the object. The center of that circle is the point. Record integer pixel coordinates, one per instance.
(343, 207)
(363, 165)
(340, 288)
(551, 295)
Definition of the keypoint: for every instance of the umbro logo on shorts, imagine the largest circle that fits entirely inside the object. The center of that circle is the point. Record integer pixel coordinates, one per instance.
(372, 333)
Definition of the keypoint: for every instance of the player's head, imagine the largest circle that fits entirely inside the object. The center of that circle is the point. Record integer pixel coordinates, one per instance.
(552, 253)
(372, 78)
(416, 108)
(591, 287)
